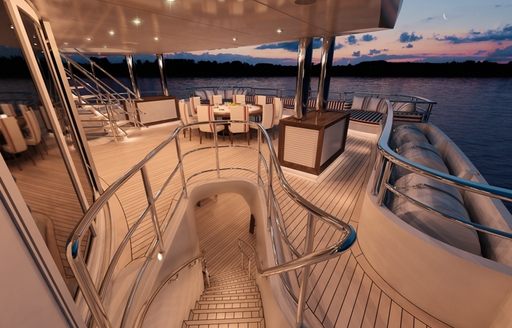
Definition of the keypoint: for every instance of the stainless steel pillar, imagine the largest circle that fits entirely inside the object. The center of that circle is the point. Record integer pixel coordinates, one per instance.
(303, 76)
(324, 80)
(133, 79)
(161, 68)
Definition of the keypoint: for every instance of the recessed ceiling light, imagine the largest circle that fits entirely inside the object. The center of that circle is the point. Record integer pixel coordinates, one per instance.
(136, 21)
(12, 27)
(156, 38)
(111, 33)
(170, 1)
(35, 44)
(105, 46)
(88, 39)
(279, 30)
(234, 39)
(66, 43)
(304, 2)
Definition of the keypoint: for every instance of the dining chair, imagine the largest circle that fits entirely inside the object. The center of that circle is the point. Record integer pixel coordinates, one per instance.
(278, 113)
(8, 109)
(194, 103)
(239, 99)
(239, 113)
(260, 100)
(267, 117)
(205, 114)
(34, 137)
(14, 141)
(216, 100)
(186, 118)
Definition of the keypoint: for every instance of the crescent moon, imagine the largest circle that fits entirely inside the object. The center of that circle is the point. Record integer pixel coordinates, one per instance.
(444, 16)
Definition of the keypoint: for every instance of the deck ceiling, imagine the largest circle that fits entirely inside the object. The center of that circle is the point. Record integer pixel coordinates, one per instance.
(188, 25)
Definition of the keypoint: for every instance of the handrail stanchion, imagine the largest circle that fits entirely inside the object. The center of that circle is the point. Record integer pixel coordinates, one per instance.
(269, 192)
(151, 203)
(259, 158)
(216, 141)
(180, 163)
(308, 248)
(385, 178)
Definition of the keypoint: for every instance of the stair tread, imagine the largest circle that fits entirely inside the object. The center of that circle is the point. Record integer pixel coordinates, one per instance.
(247, 284)
(251, 300)
(232, 290)
(220, 321)
(247, 309)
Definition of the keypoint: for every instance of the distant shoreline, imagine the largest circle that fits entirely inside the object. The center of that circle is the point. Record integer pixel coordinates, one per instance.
(15, 67)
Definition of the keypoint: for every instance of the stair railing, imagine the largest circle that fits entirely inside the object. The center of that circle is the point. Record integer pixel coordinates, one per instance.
(268, 176)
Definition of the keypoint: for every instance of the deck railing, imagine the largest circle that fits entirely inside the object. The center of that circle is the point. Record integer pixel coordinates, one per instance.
(387, 159)
(161, 206)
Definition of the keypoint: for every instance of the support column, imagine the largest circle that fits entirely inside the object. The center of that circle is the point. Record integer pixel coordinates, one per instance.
(303, 76)
(163, 79)
(133, 79)
(324, 80)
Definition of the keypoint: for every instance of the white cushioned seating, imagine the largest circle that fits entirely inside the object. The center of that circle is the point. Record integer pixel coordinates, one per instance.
(406, 133)
(201, 94)
(228, 94)
(372, 104)
(443, 198)
(358, 102)
(421, 153)
(402, 106)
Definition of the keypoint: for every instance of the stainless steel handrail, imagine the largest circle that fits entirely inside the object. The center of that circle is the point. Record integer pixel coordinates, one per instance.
(94, 299)
(172, 277)
(389, 156)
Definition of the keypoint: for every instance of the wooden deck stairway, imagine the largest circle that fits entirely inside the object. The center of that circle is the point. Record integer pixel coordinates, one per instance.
(232, 300)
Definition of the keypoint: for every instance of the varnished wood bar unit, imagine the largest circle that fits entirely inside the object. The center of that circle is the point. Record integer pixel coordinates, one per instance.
(314, 142)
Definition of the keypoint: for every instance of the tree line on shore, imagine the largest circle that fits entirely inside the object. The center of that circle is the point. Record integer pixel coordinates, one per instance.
(15, 67)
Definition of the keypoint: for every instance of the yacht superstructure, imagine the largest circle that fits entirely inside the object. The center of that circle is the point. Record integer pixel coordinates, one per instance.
(157, 221)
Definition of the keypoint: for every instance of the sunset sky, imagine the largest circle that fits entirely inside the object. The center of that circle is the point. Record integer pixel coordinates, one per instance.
(426, 30)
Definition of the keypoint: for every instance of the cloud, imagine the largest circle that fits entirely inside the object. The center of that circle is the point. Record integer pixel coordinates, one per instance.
(373, 52)
(497, 35)
(368, 38)
(409, 37)
(356, 54)
(293, 46)
(480, 53)
(223, 58)
(501, 55)
(351, 39)
(408, 46)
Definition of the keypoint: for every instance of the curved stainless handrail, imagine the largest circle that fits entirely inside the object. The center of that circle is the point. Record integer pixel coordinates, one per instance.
(480, 188)
(172, 277)
(94, 299)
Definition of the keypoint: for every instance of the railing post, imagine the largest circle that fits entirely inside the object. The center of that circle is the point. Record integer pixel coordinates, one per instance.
(259, 158)
(215, 139)
(308, 248)
(385, 177)
(269, 192)
(151, 203)
(182, 171)
(379, 173)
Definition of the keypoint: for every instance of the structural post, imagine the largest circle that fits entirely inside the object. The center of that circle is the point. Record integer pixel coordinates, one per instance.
(304, 58)
(324, 80)
(133, 79)
(161, 68)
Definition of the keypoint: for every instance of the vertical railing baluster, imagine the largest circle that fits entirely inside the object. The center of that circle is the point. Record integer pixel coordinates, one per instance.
(269, 190)
(259, 157)
(308, 248)
(385, 178)
(215, 138)
(180, 163)
(151, 203)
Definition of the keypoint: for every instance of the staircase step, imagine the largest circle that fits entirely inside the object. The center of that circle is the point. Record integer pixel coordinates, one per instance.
(248, 283)
(216, 314)
(247, 323)
(234, 297)
(233, 304)
(232, 291)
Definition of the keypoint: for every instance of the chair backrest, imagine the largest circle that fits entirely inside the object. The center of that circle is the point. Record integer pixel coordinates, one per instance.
(33, 127)
(8, 109)
(194, 103)
(278, 110)
(260, 100)
(239, 99)
(15, 143)
(205, 114)
(267, 116)
(239, 113)
(217, 100)
(183, 112)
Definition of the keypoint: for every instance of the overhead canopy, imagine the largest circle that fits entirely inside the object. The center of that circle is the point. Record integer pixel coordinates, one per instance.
(167, 26)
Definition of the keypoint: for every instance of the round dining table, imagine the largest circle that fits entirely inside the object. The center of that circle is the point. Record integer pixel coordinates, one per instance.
(222, 111)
